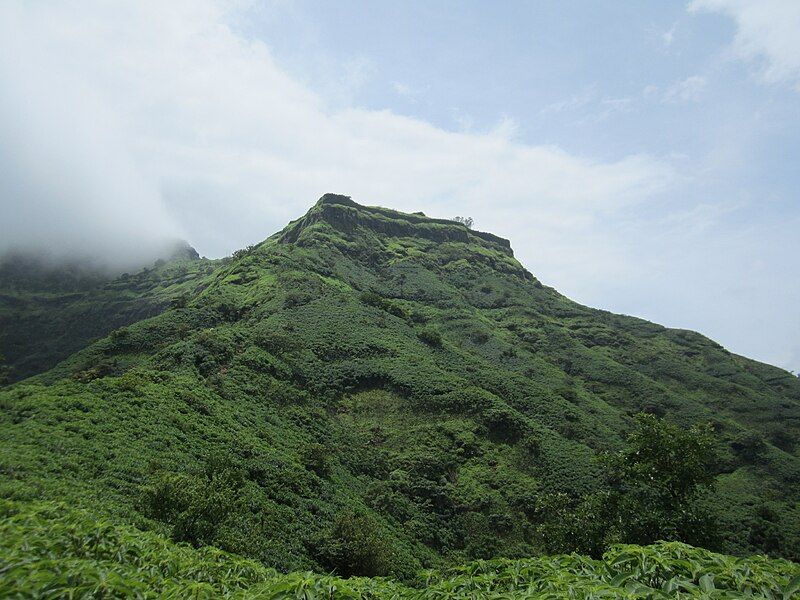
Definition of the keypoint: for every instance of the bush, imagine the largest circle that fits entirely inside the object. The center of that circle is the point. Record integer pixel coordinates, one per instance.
(56, 551)
(5, 371)
(180, 301)
(371, 298)
(781, 437)
(103, 368)
(356, 545)
(504, 423)
(431, 336)
(749, 446)
(195, 505)
(316, 457)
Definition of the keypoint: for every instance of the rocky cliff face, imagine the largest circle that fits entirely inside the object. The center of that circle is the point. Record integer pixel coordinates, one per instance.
(348, 217)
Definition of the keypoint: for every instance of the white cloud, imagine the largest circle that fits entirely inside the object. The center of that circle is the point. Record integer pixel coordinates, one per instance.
(686, 90)
(355, 73)
(615, 105)
(405, 90)
(766, 35)
(180, 120)
(669, 36)
(589, 106)
(574, 102)
(402, 89)
(649, 91)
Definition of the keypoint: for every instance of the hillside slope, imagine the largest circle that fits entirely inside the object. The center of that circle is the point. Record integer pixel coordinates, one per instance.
(365, 370)
(50, 310)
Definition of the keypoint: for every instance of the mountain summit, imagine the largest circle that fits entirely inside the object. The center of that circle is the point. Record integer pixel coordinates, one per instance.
(373, 391)
(341, 213)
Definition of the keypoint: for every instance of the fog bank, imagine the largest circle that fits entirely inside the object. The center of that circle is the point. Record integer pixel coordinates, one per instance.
(69, 185)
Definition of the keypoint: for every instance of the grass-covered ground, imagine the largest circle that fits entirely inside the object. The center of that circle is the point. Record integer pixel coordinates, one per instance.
(48, 550)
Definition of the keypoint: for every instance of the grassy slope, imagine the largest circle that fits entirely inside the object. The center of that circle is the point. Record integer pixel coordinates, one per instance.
(448, 389)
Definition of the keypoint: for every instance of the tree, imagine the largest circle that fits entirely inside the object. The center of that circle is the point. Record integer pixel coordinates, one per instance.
(431, 336)
(749, 446)
(655, 488)
(468, 221)
(317, 458)
(657, 483)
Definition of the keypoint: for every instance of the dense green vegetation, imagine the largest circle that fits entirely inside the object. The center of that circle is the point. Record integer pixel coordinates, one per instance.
(49, 310)
(374, 393)
(50, 551)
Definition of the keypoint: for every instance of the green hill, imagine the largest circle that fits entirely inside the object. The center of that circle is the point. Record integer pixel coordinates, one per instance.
(373, 392)
(49, 310)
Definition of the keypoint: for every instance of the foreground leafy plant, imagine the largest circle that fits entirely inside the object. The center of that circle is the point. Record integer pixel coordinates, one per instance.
(48, 550)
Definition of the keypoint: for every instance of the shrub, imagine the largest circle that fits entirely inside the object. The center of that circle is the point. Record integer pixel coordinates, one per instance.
(431, 336)
(504, 423)
(195, 505)
(243, 252)
(371, 298)
(103, 368)
(532, 445)
(356, 545)
(5, 371)
(120, 334)
(479, 337)
(180, 301)
(316, 457)
(749, 446)
(781, 437)
(52, 550)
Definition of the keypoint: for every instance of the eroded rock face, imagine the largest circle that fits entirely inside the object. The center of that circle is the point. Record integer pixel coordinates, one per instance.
(345, 215)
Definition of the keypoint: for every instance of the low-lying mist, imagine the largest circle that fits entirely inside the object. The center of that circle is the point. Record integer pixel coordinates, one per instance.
(69, 188)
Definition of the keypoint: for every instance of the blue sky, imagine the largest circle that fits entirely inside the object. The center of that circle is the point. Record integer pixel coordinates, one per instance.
(605, 80)
(641, 157)
(583, 75)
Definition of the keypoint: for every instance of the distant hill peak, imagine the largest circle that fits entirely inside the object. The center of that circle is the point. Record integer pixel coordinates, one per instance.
(181, 250)
(346, 215)
(337, 199)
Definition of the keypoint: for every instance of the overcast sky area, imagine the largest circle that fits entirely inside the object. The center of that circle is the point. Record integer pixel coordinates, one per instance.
(642, 157)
